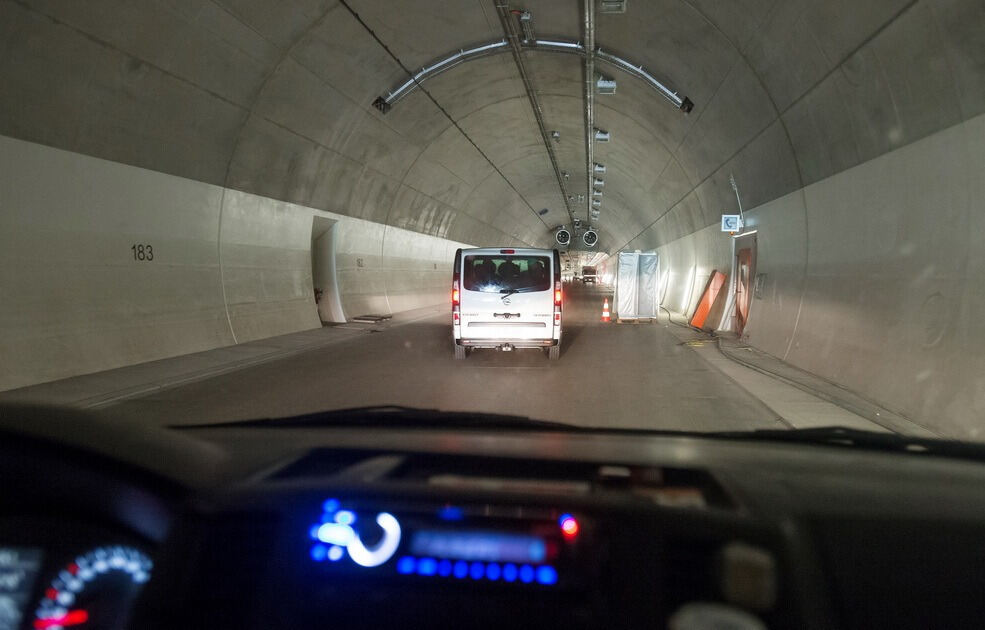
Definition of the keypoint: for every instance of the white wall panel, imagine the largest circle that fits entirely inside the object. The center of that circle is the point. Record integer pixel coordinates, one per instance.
(73, 299)
(875, 278)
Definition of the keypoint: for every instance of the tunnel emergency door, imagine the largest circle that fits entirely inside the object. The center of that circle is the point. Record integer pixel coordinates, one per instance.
(745, 269)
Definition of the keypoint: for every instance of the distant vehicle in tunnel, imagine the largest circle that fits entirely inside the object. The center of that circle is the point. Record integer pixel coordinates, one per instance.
(506, 298)
(589, 274)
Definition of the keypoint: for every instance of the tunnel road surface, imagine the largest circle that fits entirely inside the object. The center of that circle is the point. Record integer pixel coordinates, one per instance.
(609, 375)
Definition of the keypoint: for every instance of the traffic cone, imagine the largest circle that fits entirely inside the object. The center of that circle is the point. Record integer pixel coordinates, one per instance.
(605, 310)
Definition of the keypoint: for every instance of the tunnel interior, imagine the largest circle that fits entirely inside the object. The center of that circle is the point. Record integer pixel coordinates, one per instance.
(166, 170)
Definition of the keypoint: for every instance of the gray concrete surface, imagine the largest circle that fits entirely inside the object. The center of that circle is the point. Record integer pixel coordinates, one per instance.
(609, 375)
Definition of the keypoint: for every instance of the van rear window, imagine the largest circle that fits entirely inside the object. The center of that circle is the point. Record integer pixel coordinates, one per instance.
(495, 273)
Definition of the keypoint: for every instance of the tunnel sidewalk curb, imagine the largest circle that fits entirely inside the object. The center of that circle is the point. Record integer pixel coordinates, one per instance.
(177, 377)
(823, 389)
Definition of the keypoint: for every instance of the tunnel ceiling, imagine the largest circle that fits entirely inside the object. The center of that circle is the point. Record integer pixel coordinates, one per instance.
(276, 99)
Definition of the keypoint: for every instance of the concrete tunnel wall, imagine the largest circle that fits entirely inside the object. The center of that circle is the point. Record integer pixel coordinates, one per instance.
(875, 278)
(228, 266)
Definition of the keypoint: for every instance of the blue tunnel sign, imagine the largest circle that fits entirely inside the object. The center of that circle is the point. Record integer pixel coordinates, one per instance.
(731, 223)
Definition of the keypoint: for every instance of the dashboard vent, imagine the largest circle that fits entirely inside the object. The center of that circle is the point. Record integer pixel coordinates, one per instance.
(323, 462)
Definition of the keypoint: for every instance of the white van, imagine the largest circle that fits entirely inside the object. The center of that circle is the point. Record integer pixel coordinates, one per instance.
(506, 299)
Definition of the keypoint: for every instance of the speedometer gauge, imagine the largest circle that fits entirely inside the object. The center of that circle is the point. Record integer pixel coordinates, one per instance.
(94, 591)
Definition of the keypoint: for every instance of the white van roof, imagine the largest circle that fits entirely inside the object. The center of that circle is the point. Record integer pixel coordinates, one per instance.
(520, 251)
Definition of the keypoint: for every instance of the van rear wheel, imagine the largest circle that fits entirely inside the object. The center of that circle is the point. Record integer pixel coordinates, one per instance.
(460, 351)
(554, 352)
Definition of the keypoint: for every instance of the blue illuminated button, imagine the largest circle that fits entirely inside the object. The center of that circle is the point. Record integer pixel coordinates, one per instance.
(451, 513)
(461, 569)
(444, 568)
(335, 553)
(319, 553)
(546, 575)
(526, 573)
(537, 551)
(330, 505)
(406, 565)
(493, 571)
(345, 517)
(427, 566)
(510, 573)
(477, 570)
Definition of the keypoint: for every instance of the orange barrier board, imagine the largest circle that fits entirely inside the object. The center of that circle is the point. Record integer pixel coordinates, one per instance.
(715, 283)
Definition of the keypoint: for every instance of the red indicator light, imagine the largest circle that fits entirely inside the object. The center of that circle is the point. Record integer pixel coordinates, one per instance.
(507, 251)
(454, 296)
(71, 618)
(569, 527)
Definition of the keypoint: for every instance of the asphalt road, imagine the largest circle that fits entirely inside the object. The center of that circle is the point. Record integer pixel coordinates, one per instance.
(609, 375)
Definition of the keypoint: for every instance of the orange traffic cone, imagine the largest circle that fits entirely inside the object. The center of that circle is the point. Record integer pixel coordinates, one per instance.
(605, 310)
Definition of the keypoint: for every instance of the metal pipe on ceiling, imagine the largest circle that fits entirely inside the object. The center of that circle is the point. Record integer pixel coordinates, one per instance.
(513, 36)
(589, 33)
(446, 62)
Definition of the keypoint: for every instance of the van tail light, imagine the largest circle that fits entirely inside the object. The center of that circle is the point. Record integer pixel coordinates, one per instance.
(456, 314)
(557, 293)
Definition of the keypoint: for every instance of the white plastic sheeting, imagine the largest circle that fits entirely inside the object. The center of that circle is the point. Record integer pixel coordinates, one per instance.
(636, 285)
(626, 285)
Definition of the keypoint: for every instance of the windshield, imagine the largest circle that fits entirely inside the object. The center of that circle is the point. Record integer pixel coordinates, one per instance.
(766, 218)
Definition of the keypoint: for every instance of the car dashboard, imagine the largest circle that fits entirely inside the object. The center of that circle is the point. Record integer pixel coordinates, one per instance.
(117, 526)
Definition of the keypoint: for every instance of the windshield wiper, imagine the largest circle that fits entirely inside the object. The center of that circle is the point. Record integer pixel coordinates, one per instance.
(508, 292)
(394, 416)
(871, 440)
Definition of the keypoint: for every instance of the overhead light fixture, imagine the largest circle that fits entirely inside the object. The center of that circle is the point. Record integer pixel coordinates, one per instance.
(612, 6)
(597, 203)
(526, 23)
(596, 192)
(602, 136)
(556, 135)
(599, 168)
(598, 182)
(565, 174)
(581, 198)
(605, 85)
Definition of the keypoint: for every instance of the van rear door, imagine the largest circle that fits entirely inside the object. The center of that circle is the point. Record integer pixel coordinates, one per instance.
(507, 295)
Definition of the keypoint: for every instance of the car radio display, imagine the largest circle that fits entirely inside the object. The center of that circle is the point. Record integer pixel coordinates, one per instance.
(479, 545)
